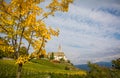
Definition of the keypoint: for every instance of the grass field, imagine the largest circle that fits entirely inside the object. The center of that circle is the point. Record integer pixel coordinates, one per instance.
(38, 69)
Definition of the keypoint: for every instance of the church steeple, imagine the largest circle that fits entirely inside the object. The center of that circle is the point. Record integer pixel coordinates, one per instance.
(59, 48)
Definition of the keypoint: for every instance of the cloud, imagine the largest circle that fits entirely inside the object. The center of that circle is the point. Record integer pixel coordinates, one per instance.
(87, 32)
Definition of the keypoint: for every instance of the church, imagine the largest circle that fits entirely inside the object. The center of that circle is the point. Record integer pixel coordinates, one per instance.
(57, 55)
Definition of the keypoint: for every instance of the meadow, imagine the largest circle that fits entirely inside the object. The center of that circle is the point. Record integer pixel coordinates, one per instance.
(38, 69)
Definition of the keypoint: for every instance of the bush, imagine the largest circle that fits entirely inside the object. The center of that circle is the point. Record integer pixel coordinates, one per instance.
(116, 63)
(67, 68)
(1, 54)
(97, 71)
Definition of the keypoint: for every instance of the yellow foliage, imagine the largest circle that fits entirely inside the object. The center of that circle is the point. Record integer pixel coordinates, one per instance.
(34, 55)
(22, 59)
(6, 48)
(18, 21)
(43, 52)
(57, 5)
(36, 44)
(53, 32)
(1, 42)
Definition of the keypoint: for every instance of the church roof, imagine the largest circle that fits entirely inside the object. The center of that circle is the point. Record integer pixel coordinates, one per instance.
(57, 53)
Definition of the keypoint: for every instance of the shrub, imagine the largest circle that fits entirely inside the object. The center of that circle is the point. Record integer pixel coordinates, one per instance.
(67, 68)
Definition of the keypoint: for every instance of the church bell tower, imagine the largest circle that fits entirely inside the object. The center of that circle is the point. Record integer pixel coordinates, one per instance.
(59, 48)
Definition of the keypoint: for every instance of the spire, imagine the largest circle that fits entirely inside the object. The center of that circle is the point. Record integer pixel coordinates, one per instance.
(59, 48)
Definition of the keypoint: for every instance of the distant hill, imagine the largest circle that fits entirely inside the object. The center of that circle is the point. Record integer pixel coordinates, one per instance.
(106, 64)
(85, 66)
(82, 66)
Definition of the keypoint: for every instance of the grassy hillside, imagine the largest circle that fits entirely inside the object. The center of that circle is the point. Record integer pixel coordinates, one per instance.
(38, 69)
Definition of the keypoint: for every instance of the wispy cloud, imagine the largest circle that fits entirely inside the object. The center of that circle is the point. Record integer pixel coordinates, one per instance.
(88, 31)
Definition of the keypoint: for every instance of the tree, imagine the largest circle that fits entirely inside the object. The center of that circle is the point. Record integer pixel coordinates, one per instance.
(116, 63)
(18, 23)
(96, 71)
(5, 49)
(23, 51)
(52, 56)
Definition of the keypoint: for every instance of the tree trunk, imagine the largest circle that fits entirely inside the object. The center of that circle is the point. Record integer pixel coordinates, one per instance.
(19, 71)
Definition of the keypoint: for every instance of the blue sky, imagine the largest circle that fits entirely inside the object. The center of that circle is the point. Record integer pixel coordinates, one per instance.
(90, 31)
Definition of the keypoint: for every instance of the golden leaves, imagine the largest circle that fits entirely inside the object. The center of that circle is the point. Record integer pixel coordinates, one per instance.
(36, 44)
(43, 52)
(41, 30)
(53, 32)
(6, 48)
(5, 19)
(18, 21)
(37, 55)
(62, 5)
(22, 59)
(54, 5)
(65, 5)
(30, 20)
(23, 7)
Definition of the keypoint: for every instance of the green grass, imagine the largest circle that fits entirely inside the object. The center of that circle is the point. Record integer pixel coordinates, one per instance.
(38, 69)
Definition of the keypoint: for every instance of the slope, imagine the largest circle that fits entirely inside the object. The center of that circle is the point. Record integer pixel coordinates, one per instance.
(38, 69)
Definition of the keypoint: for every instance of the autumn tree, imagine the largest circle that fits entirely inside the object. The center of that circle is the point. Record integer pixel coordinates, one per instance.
(6, 50)
(18, 24)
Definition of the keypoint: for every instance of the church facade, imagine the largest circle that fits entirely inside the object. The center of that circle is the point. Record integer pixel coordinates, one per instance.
(57, 55)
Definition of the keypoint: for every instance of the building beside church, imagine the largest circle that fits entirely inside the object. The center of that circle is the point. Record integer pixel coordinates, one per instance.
(57, 55)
